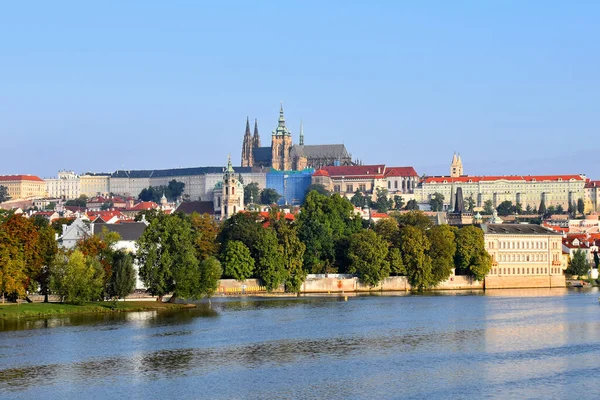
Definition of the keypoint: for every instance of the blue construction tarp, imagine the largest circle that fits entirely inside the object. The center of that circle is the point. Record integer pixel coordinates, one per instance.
(291, 185)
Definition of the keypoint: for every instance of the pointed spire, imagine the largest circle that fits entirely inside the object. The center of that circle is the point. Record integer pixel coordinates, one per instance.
(454, 159)
(247, 126)
(247, 154)
(301, 133)
(281, 130)
(256, 137)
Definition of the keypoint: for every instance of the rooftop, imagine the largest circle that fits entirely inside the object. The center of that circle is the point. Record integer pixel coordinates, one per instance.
(517, 229)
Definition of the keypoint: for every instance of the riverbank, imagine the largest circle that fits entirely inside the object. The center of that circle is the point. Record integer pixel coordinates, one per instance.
(34, 310)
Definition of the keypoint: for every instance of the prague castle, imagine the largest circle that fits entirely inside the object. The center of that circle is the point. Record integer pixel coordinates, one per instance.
(283, 155)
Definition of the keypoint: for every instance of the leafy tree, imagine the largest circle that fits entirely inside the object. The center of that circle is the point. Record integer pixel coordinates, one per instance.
(319, 189)
(550, 211)
(542, 208)
(358, 200)
(383, 204)
(13, 279)
(437, 202)
(596, 259)
(49, 249)
(50, 207)
(150, 194)
(4, 194)
(292, 253)
(412, 205)
(470, 203)
(572, 209)
(107, 205)
(324, 225)
(76, 278)
(471, 257)
(244, 227)
(387, 229)
(560, 209)
(167, 258)
(59, 222)
(80, 202)
(580, 206)
(251, 193)
(100, 248)
(442, 251)
(239, 263)
(398, 202)
(413, 218)
(505, 208)
(122, 280)
(368, 257)
(21, 237)
(488, 207)
(269, 261)
(396, 263)
(205, 231)
(528, 209)
(578, 265)
(414, 246)
(174, 190)
(210, 273)
(269, 196)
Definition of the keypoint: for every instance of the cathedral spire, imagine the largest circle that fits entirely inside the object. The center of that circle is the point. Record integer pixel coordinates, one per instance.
(256, 137)
(301, 133)
(247, 154)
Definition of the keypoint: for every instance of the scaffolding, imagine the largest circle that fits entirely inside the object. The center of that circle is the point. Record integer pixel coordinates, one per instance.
(291, 185)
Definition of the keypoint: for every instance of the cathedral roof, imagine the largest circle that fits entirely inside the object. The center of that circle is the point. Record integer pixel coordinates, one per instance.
(356, 171)
(262, 154)
(321, 151)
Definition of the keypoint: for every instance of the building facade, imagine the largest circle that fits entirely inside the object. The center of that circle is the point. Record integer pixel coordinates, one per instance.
(66, 186)
(23, 186)
(283, 155)
(94, 184)
(523, 255)
(228, 195)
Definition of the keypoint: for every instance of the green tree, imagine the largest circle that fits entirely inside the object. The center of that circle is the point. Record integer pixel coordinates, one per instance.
(383, 204)
(358, 200)
(174, 190)
(550, 211)
(292, 254)
(471, 257)
(167, 258)
(505, 208)
(251, 193)
(387, 229)
(578, 265)
(269, 196)
(13, 278)
(368, 257)
(4, 194)
(488, 207)
(560, 209)
(398, 202)
(414, 246)
(319, 189)
(205, 231)
(596, 259)
(580, 206)
(396, 263)
(80, 202)
(122, 280)
(239, 263)
(76, 278)
(245, 227)
(107, 205)
(442, 251)
(542, 208)
(528, 209)
(269, 261)
(413, 218)
(572, 209)
(437, 202)
(412, 205)
(210, 273)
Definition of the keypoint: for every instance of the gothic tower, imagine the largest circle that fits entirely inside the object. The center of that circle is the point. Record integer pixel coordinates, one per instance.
(247, 153)
(301, 133)
(281, 145)
(456, 168)
(256, 138)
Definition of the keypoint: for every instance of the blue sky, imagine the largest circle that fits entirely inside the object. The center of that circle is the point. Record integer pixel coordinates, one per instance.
(512, 85)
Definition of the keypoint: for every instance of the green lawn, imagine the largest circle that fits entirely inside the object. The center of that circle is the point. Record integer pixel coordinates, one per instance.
(26, 310)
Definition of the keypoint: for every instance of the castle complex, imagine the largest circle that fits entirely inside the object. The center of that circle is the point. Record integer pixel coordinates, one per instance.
(283, 155)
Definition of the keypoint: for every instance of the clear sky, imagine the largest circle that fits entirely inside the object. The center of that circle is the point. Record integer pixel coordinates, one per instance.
(97, 86)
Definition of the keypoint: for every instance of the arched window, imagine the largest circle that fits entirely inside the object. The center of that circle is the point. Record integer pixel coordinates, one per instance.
(233, 191)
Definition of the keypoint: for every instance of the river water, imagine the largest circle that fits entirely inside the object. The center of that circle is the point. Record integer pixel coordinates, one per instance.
(542, 343)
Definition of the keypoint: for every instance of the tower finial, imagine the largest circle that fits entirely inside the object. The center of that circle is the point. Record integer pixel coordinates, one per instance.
(301, 133)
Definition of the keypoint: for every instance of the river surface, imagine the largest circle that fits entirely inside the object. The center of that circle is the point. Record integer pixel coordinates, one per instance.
(540, 343)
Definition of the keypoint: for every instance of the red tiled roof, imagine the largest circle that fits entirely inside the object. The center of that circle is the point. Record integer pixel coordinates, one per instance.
(21, 178)
(354, 171)
(321, 172)
(400, 171)
(289, 217)
(144, 205)
(379, 215)
(528, 178)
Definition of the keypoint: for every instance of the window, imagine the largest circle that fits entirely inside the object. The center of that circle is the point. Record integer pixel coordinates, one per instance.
(349, 188)
(389, 184)
(395, 184)
(233, 192)
(336, 188)
(362, 188)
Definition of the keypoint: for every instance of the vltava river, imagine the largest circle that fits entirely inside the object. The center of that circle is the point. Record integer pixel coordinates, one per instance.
(501, 344)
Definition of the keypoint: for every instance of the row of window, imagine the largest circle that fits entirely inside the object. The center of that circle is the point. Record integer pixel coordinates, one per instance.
(524, 257)
(533, 245)
(524, 271)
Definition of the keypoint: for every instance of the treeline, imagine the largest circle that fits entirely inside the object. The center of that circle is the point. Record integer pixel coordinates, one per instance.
(32, 262)
(187, 255)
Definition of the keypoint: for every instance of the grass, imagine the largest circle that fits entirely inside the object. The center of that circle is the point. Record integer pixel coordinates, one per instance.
(32, 310)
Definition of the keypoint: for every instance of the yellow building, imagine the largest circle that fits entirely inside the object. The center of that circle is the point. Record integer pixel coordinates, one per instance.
(94, 184)
(523, 255)
(23, 186)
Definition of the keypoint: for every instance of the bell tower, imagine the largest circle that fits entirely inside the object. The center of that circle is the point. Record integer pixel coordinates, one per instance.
(281, 145)
(456, 167)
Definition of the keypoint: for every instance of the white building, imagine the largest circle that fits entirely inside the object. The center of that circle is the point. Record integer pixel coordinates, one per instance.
(66, 186)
